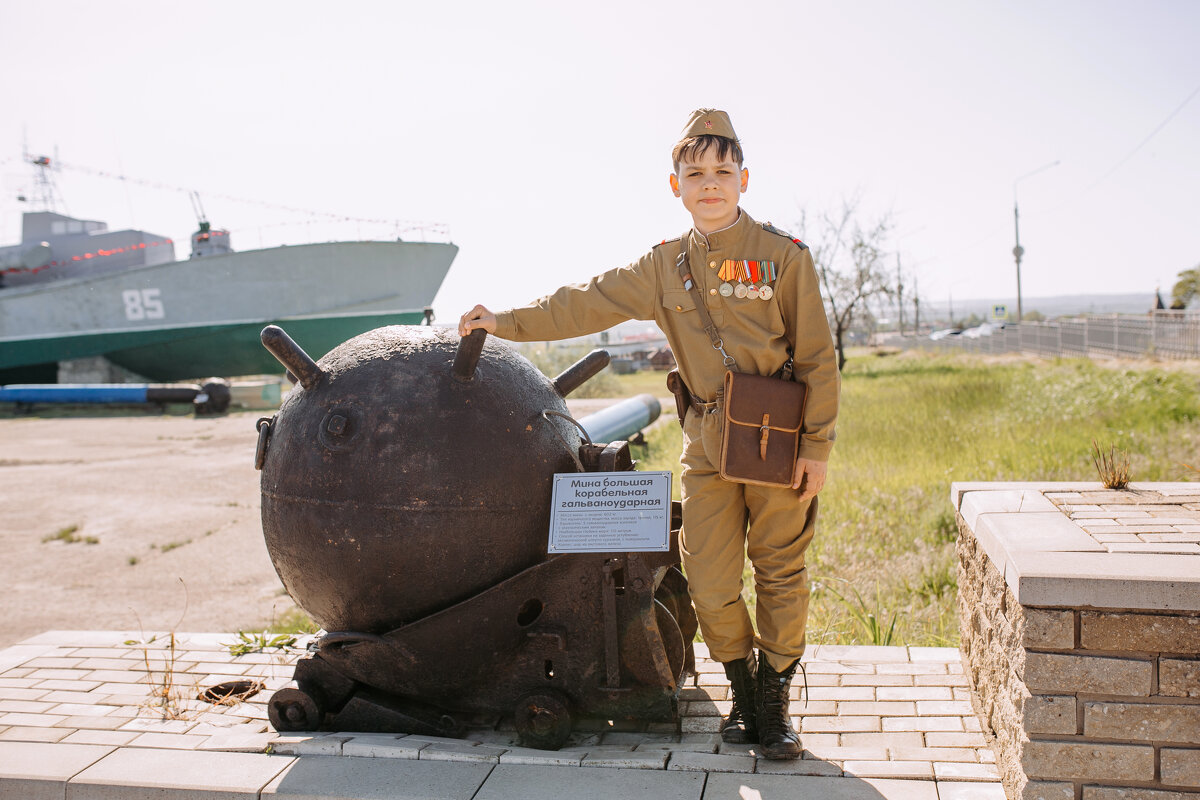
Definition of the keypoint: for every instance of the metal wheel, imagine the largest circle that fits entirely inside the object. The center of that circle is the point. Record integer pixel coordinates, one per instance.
(294, 710)
(672, 639)
(543, 720)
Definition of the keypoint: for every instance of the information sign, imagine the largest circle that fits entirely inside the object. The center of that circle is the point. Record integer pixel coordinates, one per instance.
(999, 312)
(610, 512)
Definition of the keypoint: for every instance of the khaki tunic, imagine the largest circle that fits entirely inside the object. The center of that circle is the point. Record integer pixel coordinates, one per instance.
(722, 519)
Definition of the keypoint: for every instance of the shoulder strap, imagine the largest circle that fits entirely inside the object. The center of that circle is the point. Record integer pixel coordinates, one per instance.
(710, 327)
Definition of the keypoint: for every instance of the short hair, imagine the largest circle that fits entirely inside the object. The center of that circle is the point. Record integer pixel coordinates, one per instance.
(696, 146)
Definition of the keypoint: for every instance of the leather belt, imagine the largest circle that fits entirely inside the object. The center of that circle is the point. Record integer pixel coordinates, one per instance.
(702, 407)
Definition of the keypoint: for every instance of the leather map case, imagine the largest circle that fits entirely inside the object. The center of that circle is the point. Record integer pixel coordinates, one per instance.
(763, 421)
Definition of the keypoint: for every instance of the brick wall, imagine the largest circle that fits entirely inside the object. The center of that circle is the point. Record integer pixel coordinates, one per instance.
(1084, 704)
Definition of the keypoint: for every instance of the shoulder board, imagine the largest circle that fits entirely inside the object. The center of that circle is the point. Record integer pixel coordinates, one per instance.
(769, 228)
(668, 241)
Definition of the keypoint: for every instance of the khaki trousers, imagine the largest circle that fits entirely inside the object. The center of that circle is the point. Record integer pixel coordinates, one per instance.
(722, 523)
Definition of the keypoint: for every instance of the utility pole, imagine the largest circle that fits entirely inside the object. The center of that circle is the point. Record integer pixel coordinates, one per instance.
(1019, 251)
(916, 308)
(899, 296)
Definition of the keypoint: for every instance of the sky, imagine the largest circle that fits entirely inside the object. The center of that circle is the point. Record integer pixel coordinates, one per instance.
(537, 135)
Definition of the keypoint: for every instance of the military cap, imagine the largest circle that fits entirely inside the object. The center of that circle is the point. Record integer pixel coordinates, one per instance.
(708, 121)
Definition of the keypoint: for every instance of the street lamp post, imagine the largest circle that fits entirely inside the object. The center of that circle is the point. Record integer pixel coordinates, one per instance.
(1019, 251)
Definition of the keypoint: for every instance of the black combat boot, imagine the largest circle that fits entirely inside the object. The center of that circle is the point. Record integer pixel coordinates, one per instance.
(775, 734)
(739, 727)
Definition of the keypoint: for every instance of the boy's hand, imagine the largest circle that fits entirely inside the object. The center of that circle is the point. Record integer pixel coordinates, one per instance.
(477, 317)
(811, 475)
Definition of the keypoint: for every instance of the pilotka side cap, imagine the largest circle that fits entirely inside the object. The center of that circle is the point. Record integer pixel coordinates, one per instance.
(708, 121)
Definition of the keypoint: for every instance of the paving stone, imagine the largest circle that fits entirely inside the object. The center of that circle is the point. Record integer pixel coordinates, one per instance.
(860, 693)
(388, 745)
(169, 741)
(889, 741)
(954, 739)
(798, 787)
(942, 654)
(958, 754)
(850, 654)
(841, 724)
(710, 762)
(925, 723)
(21, 693)
(37, 771)
(925, 668)
(25, 706)
(628, 739)
(914, 693)
(238, 741)
(954, 790)
(879, 680)
(159, 725)
(461, 751)
(19, 733)
(888, 769)
(31, 720)
(514, 782)
(115, 738)
(877, 709)
(965, 771)
(697, 725)
(309, 744)
(143, 774)
(82, 710)
(937, 708)
(861, 753)
(800, 766)
(546, 758)
(630, 759)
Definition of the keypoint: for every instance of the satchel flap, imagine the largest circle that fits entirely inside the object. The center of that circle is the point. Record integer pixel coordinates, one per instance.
(748, 397)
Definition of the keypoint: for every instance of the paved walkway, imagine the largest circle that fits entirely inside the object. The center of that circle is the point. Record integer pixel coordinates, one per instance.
(92, 714)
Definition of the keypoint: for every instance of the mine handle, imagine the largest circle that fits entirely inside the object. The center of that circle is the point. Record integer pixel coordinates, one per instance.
(291, 355)
(470, 347)
(575, 375)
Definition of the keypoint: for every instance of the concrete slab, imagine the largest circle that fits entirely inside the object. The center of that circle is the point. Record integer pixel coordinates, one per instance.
(326, 777)
(33, 771)
(1011, 501)
(511, 782)
(788, 787)
(1145, 581)
(148, 774)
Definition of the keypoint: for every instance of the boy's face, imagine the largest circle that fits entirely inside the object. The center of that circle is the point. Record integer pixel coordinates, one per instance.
(709, 187)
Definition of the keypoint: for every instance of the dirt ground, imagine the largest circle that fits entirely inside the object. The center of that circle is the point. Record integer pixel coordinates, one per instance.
(174, 504)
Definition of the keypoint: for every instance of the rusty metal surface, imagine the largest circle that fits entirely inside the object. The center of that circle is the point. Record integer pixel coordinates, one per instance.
(406, 501)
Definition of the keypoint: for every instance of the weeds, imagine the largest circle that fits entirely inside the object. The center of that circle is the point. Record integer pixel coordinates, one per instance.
(67, 536)
(169, 546)
(258, 642)
(873, 629)
(164, 693)
(1113, 466)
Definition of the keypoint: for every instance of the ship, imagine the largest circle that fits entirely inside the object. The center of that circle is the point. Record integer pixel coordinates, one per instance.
(73, 289)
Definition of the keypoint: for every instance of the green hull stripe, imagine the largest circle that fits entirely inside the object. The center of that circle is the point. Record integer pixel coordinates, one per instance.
(201, 351)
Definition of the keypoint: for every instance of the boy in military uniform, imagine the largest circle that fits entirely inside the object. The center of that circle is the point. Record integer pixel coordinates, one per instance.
(760, 288)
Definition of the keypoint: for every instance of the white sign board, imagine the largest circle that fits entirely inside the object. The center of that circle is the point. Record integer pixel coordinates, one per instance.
(999, 312)
(610, 512)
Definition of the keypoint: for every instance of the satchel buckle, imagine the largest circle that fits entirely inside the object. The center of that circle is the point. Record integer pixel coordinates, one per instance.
(764, 432)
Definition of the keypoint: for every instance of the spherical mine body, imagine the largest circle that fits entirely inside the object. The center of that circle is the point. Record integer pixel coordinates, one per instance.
(393, 488)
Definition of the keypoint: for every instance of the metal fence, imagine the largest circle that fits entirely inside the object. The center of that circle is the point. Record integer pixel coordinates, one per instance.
(1158, 335)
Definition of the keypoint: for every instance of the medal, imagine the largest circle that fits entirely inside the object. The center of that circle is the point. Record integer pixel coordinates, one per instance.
(766, 293)
(726, 289)
(740, 291)
(752, 293)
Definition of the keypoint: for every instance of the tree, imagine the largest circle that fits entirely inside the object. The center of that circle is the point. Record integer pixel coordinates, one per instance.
(1187, 287)
(848, 253)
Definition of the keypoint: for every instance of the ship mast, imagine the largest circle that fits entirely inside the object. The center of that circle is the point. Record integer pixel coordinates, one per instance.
(45, 195)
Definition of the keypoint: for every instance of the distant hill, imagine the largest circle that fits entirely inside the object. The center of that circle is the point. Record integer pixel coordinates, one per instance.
(1057, 306)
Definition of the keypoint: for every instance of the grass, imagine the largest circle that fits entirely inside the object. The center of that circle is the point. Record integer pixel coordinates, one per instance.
(912, 423)
(68, 535)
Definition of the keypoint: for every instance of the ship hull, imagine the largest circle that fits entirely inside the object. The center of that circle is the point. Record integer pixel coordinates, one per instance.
(202, 317)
